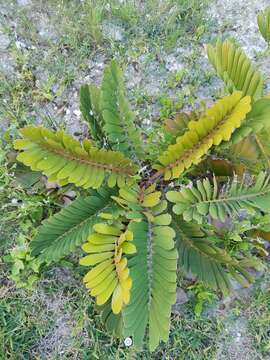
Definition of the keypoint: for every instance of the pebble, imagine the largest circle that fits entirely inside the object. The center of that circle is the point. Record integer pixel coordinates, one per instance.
(77, 113)
(128, 341)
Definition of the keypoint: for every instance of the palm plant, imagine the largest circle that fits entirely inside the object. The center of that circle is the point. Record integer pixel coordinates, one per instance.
(139, 221)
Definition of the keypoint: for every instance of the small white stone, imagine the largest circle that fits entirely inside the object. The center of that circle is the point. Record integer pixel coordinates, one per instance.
(128, 341)
(14, 201)
(77, 113)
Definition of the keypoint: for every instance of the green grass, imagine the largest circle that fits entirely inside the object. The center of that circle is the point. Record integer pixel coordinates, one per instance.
(258, 315)
(21, 325)
(57, 44)
(63, 315)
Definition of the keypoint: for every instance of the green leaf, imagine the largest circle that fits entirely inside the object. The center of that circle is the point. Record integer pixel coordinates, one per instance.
(243, 156)
(65, 231)
(89, 106)
(152, 268)
(235, 69)
(153, 272)
(113, 322)
(118, 118)
(65, 160)
(263, 20)
(203, 258)
(17, 267)
(221, 204)
(215, 126)
(27, 178)
(257, 120)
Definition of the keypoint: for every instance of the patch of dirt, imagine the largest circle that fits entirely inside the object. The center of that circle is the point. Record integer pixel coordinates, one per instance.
(235, 343)
(238, 19)
(6, 64)
(58, 340)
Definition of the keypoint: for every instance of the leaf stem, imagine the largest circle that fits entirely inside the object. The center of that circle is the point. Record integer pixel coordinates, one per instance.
(262, 150)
